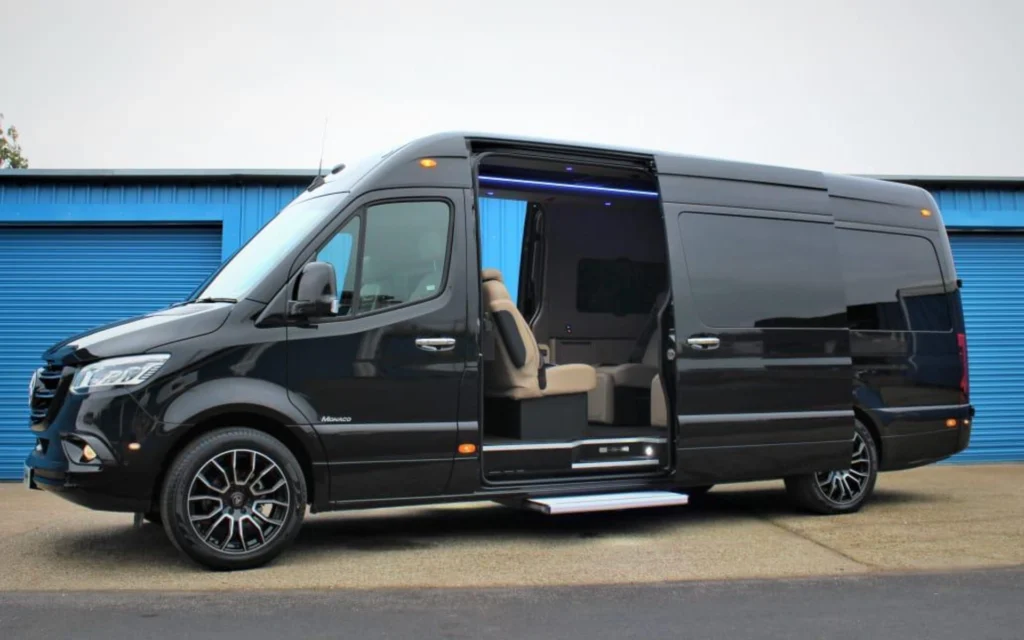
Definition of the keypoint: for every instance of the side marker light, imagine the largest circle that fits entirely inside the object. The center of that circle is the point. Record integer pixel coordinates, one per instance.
(926, 213)
(428, 163)
(467, 448)
(951, 423)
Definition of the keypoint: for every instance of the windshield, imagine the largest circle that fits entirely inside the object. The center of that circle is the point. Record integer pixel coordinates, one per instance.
(279, 236)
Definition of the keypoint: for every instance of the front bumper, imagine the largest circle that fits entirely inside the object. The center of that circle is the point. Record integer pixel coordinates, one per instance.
(117, 479)
(92, 496)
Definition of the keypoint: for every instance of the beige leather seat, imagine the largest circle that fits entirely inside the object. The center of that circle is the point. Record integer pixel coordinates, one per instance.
(633, 375)
(659, 408)
(517, 370)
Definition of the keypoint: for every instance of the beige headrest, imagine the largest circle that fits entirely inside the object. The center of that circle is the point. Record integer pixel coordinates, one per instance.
(491, 274)
(495, 290)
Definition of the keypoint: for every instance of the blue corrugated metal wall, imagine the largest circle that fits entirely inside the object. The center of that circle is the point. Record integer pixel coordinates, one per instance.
(58, 281)
(241, 208)
(992, 267)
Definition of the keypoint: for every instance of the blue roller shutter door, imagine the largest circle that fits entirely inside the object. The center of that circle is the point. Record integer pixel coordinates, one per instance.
(58, 281)
(992, 268)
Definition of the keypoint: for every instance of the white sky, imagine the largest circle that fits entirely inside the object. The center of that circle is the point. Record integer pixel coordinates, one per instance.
(878, 86)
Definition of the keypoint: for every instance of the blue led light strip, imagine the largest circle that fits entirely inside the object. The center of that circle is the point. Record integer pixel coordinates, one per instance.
(569, 187)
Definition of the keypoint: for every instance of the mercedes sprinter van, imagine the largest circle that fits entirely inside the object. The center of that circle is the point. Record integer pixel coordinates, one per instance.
(675, 323)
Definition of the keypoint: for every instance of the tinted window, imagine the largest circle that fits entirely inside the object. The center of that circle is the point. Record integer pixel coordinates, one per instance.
(341, 252)
(620, 287)
(893, 282)
(403, 256)
(761, 272)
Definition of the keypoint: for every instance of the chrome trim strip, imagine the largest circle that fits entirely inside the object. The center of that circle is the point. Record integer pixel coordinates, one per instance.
(763, 417)
(539, 446)
(612, 464)
(923, 407)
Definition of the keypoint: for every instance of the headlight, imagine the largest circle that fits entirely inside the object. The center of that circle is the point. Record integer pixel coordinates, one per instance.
(117, 372)
(32, 385)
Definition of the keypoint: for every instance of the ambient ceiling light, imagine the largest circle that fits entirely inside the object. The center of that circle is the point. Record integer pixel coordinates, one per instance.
(585, 188)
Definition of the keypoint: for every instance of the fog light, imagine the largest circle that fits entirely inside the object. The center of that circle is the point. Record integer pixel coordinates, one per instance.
(649, 451)
(88, 453)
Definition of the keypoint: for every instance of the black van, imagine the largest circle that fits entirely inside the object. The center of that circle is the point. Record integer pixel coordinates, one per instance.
(678, 323)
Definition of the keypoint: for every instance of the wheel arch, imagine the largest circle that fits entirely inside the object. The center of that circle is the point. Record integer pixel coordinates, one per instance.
(254, 418)
(865, 418)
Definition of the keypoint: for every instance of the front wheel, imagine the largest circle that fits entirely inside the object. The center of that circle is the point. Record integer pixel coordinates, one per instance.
(233, 499)
(843, 490)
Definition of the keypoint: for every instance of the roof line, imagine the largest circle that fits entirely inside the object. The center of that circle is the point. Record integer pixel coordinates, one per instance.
(158, 173)
(308, 174)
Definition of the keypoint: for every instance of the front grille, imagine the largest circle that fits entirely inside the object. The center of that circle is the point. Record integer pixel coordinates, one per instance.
(44, 391)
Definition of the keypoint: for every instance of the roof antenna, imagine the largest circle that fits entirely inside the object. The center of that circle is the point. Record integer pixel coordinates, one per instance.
(319, 179)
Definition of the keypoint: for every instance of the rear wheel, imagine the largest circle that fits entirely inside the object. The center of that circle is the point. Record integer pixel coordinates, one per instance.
(843, 490)
(233, 499)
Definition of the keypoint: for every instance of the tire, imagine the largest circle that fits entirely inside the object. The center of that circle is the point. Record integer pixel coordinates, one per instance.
(233, 522)
(843, 491)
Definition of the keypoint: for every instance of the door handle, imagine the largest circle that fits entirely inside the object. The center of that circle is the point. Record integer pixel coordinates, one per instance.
(435, 344)
(703, 343)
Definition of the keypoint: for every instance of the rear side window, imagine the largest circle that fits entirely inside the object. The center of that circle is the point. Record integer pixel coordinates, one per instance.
(748, 272)
(893, 282)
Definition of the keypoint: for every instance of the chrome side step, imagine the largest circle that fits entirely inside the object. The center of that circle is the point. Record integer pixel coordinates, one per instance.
(606, 502)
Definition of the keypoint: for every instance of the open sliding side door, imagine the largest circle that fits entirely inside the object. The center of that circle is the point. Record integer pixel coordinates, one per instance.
(763, 376)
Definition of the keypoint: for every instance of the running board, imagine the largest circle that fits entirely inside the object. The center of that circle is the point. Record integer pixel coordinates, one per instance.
(606, 502)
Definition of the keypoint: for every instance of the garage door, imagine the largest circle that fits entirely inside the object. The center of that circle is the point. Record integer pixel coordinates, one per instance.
(58, 281)
(992, 268)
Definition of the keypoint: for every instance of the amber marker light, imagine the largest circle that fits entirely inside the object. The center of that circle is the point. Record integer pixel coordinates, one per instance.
(467, 448)
(926, 213)
(428, 163)
(951, 423)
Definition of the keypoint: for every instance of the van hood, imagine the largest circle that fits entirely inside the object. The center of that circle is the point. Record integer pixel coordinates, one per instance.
(139, 334)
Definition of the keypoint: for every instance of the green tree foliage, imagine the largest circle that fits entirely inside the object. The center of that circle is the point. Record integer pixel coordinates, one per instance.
(11, 156)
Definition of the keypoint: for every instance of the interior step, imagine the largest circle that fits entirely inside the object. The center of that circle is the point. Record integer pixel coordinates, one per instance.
(606, 502)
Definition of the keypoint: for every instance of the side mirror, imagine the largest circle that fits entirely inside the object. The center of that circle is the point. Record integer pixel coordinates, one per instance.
(316, 292)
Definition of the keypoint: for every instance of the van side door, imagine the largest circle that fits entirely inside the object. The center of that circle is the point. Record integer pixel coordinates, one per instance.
(383, 376)
(763, 378)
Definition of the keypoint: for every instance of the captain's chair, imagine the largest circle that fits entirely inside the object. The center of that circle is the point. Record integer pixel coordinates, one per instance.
(517, 371)
(623, 388)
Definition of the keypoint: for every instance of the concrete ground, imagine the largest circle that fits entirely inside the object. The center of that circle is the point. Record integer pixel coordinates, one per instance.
(932, 519)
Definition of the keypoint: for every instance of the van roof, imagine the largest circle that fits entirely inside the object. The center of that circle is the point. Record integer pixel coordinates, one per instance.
(461, 144)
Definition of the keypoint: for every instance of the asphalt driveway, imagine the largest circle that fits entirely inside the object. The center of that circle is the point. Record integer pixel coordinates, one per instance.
(937, 518)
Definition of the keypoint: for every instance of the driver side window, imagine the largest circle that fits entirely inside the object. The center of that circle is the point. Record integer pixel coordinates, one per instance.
(390, 254)
(341, 251)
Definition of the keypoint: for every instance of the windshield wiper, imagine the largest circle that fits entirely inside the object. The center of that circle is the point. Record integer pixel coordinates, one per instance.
(209, 300)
